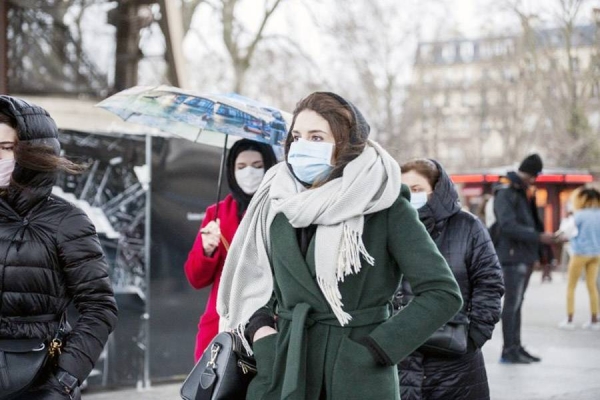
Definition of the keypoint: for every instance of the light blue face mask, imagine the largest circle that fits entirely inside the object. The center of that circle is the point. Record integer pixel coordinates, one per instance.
(310, 160)
(418, 199)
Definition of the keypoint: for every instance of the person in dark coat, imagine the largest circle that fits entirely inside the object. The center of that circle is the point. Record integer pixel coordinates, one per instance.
(247, 162)
(51, 255)
(518, 245)
(464, 242)
(329, 233)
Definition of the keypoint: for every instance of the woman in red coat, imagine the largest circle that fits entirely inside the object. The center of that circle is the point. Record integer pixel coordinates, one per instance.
(247, 163)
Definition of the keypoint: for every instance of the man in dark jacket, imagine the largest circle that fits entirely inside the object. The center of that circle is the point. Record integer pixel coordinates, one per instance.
(520, 235)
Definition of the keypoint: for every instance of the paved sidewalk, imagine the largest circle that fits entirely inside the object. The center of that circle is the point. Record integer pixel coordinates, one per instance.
(569, 370)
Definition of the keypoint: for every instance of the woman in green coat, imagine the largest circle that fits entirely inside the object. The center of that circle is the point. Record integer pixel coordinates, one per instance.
(328, 235)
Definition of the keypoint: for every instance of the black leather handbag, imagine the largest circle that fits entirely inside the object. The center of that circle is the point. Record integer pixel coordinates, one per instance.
(223, 372)
(22, 361)
(450, 340)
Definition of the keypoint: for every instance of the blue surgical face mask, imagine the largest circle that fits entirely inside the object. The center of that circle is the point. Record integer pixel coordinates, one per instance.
(310, 160)
(418, 199)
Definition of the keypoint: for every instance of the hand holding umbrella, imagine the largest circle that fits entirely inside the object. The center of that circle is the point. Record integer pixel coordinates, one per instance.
(211, 234)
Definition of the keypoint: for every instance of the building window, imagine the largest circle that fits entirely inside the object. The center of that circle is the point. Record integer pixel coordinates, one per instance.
(467, 51)
(448, 53)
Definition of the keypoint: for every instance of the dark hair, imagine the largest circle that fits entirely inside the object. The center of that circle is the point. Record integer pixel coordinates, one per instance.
(8, 120)
(42, 158)
(424, 167)
(39, 157)
(341, 121)
(586, 197)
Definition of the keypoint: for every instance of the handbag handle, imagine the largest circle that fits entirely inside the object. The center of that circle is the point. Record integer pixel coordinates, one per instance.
(208, 378)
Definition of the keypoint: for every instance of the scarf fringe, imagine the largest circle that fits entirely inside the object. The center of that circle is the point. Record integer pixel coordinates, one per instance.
(239, 331)
(334, 298)
(352, 247)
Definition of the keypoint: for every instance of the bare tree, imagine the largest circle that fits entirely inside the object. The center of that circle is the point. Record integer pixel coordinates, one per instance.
(376, 41)
(240, 43)
(46, 53)
(558, 80)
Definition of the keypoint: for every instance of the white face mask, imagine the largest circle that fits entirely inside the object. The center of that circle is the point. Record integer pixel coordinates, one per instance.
(7, 166)
(249, 178)
(310, 160)
(418, 199)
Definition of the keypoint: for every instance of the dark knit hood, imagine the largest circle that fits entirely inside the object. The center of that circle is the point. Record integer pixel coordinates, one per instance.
(269, 159)
(34, 126)
(442, 204)
(359, 132)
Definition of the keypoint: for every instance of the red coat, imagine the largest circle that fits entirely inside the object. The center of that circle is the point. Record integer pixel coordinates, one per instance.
(202, 271)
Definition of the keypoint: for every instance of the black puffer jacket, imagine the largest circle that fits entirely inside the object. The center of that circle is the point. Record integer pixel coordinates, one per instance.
(465, 243)
(50, 255)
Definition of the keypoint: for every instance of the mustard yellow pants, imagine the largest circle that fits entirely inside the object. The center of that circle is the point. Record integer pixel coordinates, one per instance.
(576, 265)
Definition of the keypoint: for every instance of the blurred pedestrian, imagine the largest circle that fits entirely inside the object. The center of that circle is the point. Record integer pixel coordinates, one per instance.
(567, 230)
(51, 254)
(329, 234)
(247, 162)
(585, 247)
(465, 243)
(485, 210)
(520, 235)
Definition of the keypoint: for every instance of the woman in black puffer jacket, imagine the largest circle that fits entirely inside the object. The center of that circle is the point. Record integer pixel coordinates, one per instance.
(49, 253)
(465, 243)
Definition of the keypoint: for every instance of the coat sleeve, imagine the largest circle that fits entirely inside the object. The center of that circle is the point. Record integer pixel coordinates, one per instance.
(200, 269)
(487, 287)
(506, 217)
(436, 294)
(88, 285)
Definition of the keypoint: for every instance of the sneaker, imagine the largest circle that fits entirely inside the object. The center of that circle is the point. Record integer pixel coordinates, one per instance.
(594, 326)
(567, 325)
(514, 357)
(528, 355)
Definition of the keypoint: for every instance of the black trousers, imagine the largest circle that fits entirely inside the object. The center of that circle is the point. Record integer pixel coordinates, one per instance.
(516, 280)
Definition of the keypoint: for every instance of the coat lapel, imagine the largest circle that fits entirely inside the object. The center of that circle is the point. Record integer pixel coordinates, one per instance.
(293, 273)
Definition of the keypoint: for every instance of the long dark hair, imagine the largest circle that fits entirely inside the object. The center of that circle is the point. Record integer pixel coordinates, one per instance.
(42, 158)
(38, 157)
(341, 121)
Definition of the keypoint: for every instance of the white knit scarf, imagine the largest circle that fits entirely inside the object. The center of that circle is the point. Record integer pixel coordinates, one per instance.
(370, 183)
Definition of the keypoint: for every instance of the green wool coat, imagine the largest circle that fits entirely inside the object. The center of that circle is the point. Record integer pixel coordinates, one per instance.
(312, 354)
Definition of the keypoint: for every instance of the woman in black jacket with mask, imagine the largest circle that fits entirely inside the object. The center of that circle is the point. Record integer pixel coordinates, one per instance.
(50, 254)
(464, 242)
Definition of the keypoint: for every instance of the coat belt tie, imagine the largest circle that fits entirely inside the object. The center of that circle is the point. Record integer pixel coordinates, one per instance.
(301, 319)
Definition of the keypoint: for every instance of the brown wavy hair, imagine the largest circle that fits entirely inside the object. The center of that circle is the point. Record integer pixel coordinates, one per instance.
(341, 121)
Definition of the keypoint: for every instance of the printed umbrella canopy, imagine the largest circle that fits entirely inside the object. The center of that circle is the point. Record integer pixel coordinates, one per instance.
(201, 117)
